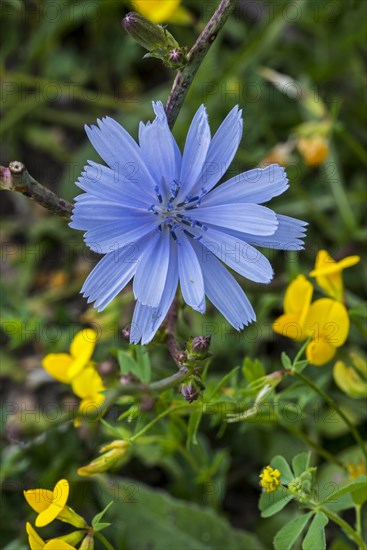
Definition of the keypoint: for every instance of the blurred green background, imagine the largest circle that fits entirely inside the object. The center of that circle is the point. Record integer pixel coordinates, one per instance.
(65, 64)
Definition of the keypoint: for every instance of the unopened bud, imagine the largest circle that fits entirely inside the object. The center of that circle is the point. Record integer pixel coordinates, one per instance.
(88, 543)
(111, 454)
(73, 538)
(198, 347)
(190, 392)
(152, 37)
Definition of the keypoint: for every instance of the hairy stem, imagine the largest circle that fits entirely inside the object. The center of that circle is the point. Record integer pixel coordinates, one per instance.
(17, 178)
(195, 57)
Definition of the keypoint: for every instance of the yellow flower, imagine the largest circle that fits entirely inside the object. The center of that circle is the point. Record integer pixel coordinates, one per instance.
(297, 301)
(88, 385)
(327, 323)
(63, 366)
(36, 543)
(348, 379)
(270, 479)
(314, 149)
(48, 504)
(161, 11)
(328, 273)
(356, 470)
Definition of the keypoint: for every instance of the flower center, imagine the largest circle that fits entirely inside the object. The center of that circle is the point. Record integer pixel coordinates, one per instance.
(175, 212)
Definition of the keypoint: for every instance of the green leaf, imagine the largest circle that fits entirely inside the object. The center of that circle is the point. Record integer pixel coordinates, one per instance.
(315, 537)
(149, 518)
(126, 362)
(289, 533)
(300, 463)
(271, 503)
(299, 366)
(98, 517)
(252, 369)
(99, 526)
(355, 485)
(286, 361)
(142, 357)
(193, 426)
(282, 465)
(140, 368)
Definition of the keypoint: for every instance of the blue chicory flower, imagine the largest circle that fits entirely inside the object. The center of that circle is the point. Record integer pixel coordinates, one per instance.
(154, 216)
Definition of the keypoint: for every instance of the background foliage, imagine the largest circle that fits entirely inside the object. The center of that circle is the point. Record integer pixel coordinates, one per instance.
(66, 64)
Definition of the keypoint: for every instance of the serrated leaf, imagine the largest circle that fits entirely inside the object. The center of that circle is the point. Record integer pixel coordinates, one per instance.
(99, 516)
(315, 537)
(355, 485)
(282, 465)
(289, 533)
(286, 361)
(271, 503)
(300, 463)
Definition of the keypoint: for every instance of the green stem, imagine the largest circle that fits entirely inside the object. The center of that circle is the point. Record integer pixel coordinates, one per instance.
(359, 519)
(195, 57)
(104, 541)
(139, 389)
(334, 406)
(157, 419)
(319, 450)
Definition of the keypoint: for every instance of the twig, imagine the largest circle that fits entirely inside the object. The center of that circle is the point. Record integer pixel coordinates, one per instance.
(17, 178)
(195, 57)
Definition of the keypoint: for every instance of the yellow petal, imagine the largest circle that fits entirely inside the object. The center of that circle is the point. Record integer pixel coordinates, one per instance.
(325, 264)
(59, 498)
(39, 499)
(298, 297)
(57, 365)
(349, 381)
(58, 544)
(81, 349)
(289, 326)
(91, 404)
(318, 353)
(328, 321)
(35, 541)
(158, 11)
(87, 383)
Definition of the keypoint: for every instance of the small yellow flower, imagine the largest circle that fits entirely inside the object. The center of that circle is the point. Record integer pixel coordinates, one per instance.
(327, 323)
(296, 304)
(48, 504)
(270, 479)
(356, 470)
(162, 11)
(348, 379)
(314, 149)
(328, 273)
(36, 543)
(63, 366)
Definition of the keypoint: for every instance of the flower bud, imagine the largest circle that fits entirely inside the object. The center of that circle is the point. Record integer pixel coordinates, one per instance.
(125, 332)
(88, 543)
(152, 37)
(198, 347)
(73, 538)
(191, 389)
(111, 454)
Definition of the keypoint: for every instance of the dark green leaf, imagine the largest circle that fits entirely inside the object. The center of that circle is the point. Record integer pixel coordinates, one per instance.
(300, 463)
